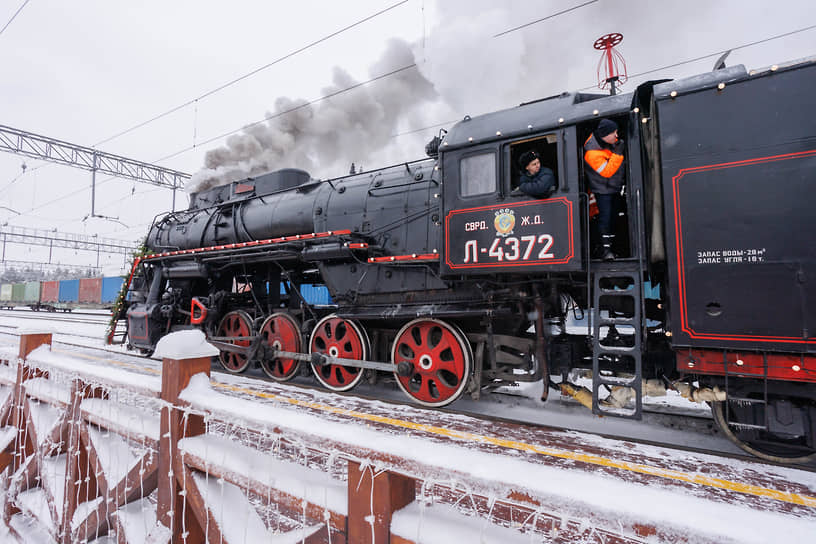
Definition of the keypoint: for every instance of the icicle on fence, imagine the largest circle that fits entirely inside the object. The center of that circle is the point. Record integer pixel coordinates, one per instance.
(92, 453)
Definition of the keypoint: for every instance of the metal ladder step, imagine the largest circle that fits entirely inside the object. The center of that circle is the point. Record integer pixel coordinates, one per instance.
(604, 272)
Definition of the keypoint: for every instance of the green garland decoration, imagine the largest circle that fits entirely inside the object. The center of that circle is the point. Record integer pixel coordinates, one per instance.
(119, 304)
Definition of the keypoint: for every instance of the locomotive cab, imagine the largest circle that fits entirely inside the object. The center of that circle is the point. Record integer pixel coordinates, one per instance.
(489, 227)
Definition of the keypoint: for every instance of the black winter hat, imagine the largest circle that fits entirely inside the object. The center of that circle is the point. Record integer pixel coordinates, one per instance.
(606, 127)
(526, 158)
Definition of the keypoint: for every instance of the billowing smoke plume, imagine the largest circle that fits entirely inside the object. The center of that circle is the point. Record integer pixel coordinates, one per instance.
(471, 62)
(331, 133)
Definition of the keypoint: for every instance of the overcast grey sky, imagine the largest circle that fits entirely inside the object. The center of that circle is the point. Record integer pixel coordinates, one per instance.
(86, 70)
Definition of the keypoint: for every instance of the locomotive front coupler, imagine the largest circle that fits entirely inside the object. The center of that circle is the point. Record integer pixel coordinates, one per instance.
(322, 359)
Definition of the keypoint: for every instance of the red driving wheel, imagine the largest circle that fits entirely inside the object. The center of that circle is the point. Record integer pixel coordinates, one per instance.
(342, 338)
(440, 360)
(281, 331)
(236, 324)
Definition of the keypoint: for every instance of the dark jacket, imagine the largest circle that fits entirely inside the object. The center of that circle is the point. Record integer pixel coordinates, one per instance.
(603, 165)
(540, 185)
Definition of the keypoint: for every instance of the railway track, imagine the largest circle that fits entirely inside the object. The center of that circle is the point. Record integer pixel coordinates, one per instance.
(63, 319)
(9, 329)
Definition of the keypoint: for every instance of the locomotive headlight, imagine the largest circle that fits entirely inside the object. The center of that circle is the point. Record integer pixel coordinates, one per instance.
(721, 86)
(673, 94)
(796, 368)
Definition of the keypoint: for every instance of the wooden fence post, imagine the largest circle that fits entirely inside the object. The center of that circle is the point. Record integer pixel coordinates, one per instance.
(77, 477)
(176, 374)
(28, 343)
(372, 500)
(23, 446)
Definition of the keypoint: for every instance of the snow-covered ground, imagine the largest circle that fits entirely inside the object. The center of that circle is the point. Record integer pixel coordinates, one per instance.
(737, 522)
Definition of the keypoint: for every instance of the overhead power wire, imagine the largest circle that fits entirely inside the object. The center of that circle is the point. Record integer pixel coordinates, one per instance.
(341, 91)
(190, 148)
(10, 183)
(681, 63)
(290, 110)
(742, 46)
(224, 86)
(289, 55)
(562, 12)
(16, 13)
(252, 73)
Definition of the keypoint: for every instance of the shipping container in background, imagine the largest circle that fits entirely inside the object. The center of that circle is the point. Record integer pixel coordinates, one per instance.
(5, 295)
(18, 293)
(110, 288)
(68, 291)
(32, 293)
(90, 291)
(66, 295)
(50, 291)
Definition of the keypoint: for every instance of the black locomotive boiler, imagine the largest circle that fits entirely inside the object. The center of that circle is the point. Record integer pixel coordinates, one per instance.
(448, 282)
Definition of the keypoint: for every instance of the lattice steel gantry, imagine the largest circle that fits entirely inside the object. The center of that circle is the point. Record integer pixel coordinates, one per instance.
(44, 148)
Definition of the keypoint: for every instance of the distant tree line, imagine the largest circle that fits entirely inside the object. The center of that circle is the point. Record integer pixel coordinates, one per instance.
(20, 275)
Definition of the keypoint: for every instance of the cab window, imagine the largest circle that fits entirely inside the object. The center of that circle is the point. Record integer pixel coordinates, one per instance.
(477, 174)
(545, 146)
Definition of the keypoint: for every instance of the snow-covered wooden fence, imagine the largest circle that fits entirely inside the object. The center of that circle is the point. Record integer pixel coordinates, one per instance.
(96, 453)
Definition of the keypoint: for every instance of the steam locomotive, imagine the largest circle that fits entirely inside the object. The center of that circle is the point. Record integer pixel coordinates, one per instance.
(447, 281)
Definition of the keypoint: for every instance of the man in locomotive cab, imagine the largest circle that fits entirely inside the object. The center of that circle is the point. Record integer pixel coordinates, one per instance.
(536, 180)
(603, 159)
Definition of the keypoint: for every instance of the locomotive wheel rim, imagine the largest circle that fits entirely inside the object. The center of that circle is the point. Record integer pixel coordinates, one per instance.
(718, 411)
(281, 330)
(441, 358)
(348, 339)
(235, 323)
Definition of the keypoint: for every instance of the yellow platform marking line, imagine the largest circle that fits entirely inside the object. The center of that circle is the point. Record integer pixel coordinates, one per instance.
(592, 459)
(795, 498)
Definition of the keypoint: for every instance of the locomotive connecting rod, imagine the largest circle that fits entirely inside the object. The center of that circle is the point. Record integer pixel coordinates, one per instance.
(321, 359)
(317, 359)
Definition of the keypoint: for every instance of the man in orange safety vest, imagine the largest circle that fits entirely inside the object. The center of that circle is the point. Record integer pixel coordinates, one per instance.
(603, 160)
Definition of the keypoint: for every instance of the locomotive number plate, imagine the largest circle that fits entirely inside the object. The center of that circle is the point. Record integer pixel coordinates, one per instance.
(537, 233)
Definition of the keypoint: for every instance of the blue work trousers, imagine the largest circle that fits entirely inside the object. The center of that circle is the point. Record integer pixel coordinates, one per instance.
(607, 209)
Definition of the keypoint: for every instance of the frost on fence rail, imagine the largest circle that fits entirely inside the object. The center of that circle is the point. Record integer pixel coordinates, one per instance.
(293, 480)
(256, 485)
(84, 452)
